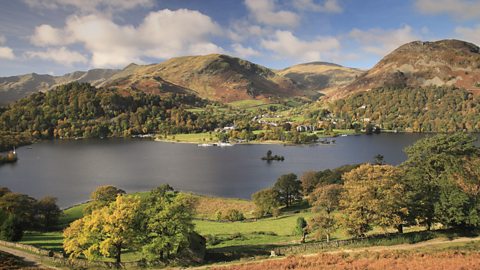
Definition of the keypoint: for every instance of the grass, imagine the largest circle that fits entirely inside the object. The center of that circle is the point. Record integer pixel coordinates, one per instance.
(206, 207)
(46, 240)
(243, 104)
(192, 137)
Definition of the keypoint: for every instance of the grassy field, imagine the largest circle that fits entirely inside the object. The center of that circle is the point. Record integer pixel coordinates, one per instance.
(192, 137)
(243, 104)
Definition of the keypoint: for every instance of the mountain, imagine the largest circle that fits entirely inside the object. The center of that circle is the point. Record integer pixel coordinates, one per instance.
(215, 77)
(317, 76)
(15, 87)
(421, 64)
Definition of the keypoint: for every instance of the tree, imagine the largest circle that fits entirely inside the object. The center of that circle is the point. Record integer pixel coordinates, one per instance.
(325, 200)
(379, 159)
(428, 167)
(301, 228)
(11, 229)
(309, 182)
(266, 202)
(234, 215)
(374, 195)
(103, 196)
(48, 212)
(166, 223)
(288, 188)
(106, 231)
(20, 205)
(324, 224)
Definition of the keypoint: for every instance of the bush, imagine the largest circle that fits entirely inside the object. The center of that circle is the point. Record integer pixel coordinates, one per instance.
(301, 225)
(11, 229)
(234, 215)
(212, 239)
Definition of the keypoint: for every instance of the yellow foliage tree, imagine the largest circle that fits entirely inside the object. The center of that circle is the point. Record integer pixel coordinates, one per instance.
(105, 231)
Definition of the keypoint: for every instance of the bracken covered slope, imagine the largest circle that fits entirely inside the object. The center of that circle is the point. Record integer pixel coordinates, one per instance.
(420, 64)
(215, 77)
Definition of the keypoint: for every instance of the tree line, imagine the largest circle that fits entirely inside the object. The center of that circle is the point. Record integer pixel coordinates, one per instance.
(438, 184)
(20, 212)
(432, 109)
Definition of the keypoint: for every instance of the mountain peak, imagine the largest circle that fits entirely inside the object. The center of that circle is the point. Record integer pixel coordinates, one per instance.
(448, 62)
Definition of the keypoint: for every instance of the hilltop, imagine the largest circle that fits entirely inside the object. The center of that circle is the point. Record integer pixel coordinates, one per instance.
(15, 87)
(215, 77)
(422, 64)
(318, 76)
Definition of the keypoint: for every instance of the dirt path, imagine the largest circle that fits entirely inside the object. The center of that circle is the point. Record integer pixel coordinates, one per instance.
(27, 257)
(433, 242)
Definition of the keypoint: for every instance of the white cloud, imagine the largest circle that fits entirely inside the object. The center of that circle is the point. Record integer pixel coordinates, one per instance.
(266, 12)
(46, 35)
(89, 6)
(458, 9)
(285, 45)
(328, 6)
(469, 34)
(243, 52)
(381, 41)
(162, 34)
(242, 30)
(6, 53)
(60, 55)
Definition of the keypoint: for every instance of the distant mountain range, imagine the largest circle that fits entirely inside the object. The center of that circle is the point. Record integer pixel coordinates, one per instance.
(215, 77)
(224, 78)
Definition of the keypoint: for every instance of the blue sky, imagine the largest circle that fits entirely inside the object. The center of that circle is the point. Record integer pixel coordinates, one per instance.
(60, 36)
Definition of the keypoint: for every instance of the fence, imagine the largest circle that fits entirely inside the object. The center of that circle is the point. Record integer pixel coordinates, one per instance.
(59, 259)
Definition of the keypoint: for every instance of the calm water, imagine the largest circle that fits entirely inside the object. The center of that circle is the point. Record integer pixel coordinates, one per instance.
(70, 170)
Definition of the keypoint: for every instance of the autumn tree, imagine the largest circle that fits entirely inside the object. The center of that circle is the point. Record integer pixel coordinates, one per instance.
(309, 181)
(266, 202)
(373, 195)
(325, 200)
(288, 188)
(106, 231)
(103, 196)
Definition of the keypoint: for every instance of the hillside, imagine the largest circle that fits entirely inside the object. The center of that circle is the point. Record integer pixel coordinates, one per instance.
(215, 77)
(15, 87)
(421, 64)
(319, 76)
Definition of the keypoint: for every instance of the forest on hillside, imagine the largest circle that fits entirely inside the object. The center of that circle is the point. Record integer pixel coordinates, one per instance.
(432, 109)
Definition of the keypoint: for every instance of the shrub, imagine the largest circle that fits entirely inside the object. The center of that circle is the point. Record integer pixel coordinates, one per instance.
(234, 215)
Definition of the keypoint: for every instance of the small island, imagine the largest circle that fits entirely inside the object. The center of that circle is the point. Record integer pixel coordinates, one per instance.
(10, 157)
(270, 157)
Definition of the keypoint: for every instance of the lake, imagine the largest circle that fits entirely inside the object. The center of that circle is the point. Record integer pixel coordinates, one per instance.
(70, 170)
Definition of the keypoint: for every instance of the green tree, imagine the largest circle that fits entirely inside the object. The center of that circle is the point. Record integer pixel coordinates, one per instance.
(429, 164)
(48, 212)
(103, 196)
(166, 224)
(11, 229)
(288, 188)
(266, 202)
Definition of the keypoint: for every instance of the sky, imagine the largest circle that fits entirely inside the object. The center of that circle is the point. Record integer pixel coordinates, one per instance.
(60, 36)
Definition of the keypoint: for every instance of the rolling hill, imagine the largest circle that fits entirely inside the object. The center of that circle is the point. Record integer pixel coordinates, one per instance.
(215, 77)
(318, 76)
(15, 87)
(422, 64)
